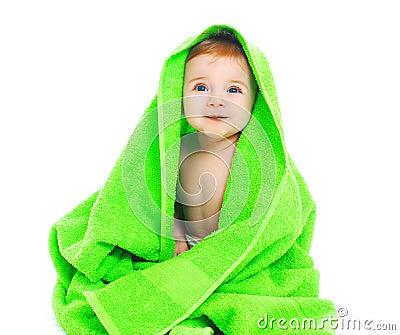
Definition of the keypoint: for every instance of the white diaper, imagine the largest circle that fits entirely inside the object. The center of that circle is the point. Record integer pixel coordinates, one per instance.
(192, 241)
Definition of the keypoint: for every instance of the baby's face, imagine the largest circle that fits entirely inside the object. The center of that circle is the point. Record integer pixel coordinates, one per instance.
(219, 94)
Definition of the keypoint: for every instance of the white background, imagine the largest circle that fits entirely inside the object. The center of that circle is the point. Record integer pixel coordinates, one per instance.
(75, 77)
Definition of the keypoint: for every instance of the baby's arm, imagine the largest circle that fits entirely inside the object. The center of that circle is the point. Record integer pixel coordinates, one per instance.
(178, 231)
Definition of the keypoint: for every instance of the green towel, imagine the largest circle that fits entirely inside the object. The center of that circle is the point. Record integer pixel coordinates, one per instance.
(114, 252)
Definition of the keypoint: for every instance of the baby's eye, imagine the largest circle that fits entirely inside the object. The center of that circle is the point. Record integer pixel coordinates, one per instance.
(234, 90)
(200, 88)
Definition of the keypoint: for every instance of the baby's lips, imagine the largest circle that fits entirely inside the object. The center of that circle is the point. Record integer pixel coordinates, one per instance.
(220, 116)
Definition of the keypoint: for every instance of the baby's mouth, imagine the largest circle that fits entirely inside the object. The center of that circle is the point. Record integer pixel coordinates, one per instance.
(216, 117)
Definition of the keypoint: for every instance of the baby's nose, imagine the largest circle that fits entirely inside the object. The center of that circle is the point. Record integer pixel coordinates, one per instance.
(214, 101)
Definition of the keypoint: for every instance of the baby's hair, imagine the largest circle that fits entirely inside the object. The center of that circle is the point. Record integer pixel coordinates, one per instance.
(223, 43)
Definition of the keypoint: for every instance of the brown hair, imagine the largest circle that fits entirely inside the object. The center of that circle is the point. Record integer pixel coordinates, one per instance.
(223, 43)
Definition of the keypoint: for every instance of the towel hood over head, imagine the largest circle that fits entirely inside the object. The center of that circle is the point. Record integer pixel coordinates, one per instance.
(162, 126)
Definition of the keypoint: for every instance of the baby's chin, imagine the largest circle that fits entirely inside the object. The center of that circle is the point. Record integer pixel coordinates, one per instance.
(218, 136)
(212, 135)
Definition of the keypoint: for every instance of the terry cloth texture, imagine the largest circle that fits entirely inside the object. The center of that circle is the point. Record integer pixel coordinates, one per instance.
(114, 252)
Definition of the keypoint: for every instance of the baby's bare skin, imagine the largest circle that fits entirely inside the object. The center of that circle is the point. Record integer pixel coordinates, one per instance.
(203, 175)
(218, 97)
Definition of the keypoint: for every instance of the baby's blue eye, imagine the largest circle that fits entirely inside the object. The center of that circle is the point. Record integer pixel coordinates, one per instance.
(233, 90)
(201, 88)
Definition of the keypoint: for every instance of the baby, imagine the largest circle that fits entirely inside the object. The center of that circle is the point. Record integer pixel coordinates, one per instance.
(218, 96)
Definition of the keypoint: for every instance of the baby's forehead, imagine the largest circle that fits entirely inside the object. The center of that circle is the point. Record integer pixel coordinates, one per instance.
(206, 60)
(239, 60)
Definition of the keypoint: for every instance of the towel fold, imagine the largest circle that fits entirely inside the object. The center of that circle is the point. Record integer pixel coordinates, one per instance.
(114, 252)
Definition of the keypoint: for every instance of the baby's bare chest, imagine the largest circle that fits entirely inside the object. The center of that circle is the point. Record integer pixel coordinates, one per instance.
(203, 177)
